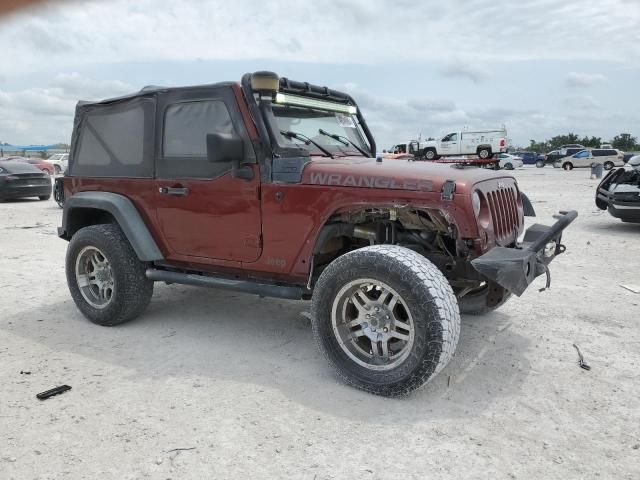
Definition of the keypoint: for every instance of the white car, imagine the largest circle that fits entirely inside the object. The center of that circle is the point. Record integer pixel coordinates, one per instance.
(508, 161)
(59, 162)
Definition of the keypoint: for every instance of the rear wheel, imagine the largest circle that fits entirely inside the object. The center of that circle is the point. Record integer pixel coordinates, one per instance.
(385, 318)
(484, 153)
(508, 166)
(485, 299)
(539, 164)
(105, 277)
(608, 165)
(567, 166)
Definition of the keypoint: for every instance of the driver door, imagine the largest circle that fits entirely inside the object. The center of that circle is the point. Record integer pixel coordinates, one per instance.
(204, 212)
(449, 144)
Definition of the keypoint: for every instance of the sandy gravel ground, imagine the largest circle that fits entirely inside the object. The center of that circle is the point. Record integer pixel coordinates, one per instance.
(238, 381)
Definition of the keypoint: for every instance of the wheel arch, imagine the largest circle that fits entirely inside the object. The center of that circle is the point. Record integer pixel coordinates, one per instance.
(93, 208)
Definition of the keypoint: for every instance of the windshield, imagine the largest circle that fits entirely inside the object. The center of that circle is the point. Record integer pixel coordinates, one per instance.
(308, 122)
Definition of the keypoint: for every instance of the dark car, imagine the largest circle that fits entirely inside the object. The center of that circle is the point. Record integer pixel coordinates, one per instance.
(555, 156)
(627, 156)
(619, 192)
(20, 180)
(528, 158)
(39, 163)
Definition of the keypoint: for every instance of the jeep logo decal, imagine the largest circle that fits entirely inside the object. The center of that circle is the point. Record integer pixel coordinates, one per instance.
(370, 181)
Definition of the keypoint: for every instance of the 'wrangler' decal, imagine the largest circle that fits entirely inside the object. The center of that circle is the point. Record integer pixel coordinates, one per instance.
(370, 181)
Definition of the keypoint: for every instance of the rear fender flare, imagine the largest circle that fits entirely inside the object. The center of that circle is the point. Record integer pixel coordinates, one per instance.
(124, 213)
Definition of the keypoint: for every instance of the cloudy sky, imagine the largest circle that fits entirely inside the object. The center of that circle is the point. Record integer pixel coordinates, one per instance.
(541, 67)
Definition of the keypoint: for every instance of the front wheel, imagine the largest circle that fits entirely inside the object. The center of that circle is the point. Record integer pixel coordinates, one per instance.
(430, 154)
(106, 280)
(57, 170)
(385, 318)
(567, 166)
(539, 164)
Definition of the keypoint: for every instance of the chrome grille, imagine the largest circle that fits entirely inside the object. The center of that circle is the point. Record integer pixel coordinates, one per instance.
(503, 204)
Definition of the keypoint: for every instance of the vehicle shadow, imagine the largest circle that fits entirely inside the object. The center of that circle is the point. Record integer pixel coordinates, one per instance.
(214, 336)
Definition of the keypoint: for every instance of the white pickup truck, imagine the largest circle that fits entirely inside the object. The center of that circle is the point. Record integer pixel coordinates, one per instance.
(484, 143)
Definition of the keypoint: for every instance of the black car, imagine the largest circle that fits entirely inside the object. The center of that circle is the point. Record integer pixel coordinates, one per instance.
(619, 192)
(628, 155)
(20, 180)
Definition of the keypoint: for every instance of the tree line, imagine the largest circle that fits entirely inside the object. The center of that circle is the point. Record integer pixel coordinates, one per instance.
(624, 141)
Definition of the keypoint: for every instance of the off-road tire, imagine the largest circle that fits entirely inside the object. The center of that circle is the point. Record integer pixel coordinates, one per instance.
(484, 153)
(132, 289)
(423, 289)
(539, 164)
(484, 301)
(430, 154)
(608, 165)
(44, 197)
(567, 166)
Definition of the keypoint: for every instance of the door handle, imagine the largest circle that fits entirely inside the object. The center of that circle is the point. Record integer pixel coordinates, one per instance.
(179, 191)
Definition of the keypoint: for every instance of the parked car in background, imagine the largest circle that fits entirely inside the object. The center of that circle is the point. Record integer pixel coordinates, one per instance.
(582, 159)
(40, 164)
(21, 179)
(629, 155)
(572, 145)
(609, 157)
(619, 192)
(59, 162)
(606, 145)
(529, 158)
(555, 156)
(509, 161)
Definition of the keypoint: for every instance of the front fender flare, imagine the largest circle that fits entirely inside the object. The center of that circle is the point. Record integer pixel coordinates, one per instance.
(124, 212)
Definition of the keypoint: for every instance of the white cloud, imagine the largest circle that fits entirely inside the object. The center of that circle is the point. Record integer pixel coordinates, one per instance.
(327, 31)
(470, 71)
(45, 114)
(575, 79)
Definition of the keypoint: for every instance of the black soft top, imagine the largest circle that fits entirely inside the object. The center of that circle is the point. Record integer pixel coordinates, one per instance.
(150, 90)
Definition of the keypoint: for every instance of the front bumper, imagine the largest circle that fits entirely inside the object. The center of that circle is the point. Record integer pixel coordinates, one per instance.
(515, 268)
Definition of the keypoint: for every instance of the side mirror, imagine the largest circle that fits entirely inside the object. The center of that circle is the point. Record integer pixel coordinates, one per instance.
(224, 147)
(228, 147)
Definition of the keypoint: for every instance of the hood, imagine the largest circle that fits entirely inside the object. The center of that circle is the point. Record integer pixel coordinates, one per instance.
(392, 174)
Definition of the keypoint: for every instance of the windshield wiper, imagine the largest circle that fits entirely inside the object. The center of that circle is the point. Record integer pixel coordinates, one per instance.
(306, 140)
(343, 140)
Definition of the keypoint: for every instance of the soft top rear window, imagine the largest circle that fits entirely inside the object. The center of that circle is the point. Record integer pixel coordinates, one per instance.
(114, 140)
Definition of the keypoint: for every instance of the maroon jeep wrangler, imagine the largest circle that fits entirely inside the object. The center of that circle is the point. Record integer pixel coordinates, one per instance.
(271, 186)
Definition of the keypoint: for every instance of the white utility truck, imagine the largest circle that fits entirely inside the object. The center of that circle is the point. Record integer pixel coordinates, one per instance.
(484, 143)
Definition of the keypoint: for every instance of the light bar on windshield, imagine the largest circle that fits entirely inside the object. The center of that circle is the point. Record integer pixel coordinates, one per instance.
(287, 99)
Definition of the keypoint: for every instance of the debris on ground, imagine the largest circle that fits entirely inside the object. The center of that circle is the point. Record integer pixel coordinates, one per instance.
(22, 372)
(631, 288)
(581, 361)
(54, 391)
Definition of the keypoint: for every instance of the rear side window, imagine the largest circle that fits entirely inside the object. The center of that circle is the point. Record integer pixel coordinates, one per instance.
(187, 124)
(115, 140)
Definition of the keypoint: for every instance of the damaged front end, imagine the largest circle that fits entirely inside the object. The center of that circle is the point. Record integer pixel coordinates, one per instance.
(514, 268)
(619, 192)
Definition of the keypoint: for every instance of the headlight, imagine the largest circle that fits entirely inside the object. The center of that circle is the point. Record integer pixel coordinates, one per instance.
(475, 201)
